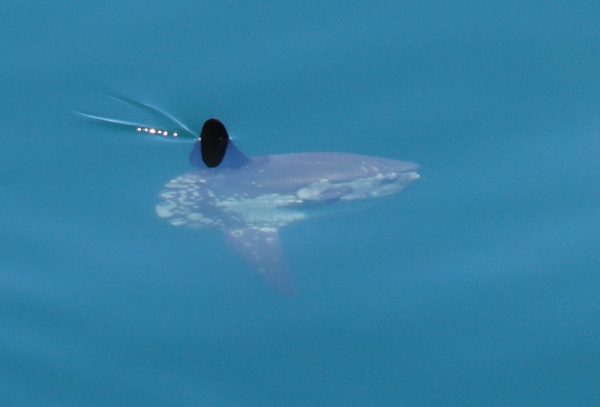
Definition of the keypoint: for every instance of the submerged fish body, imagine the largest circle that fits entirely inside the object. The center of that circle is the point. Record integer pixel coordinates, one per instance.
(251, 203)
(250, 199)
(275, 191)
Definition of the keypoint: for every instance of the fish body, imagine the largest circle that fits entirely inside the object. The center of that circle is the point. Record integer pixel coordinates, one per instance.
(250, 199)
(252, 202)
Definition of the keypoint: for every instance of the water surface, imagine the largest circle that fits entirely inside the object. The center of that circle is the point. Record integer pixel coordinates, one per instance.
(478, 286)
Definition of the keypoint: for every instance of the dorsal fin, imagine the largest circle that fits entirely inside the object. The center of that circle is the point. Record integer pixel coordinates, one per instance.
(215, 149)
(214, 141)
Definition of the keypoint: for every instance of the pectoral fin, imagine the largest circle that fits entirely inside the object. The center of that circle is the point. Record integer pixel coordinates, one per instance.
(260, 248)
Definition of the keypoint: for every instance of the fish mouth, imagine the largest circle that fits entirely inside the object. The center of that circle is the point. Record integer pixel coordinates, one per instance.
(403, 172)
(411, 176)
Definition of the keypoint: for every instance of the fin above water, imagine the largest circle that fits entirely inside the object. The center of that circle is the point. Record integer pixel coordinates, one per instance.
(208, 153)
(213, 142)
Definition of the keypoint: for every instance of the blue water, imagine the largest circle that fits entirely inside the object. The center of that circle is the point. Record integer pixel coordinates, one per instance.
(479, 286)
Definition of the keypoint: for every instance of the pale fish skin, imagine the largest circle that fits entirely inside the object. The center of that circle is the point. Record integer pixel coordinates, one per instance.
(251, 203)
(250, 199)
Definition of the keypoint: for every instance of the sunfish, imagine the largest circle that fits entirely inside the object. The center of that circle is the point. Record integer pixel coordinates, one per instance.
(249, 199)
